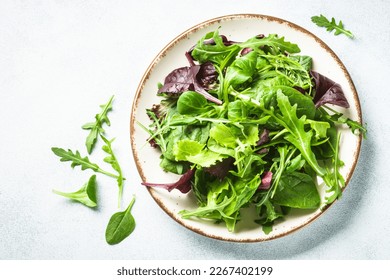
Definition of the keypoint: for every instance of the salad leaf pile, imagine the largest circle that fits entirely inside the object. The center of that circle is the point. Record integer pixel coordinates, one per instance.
(248, 124)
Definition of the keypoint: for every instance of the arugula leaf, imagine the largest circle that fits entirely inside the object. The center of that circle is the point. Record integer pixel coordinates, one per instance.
(219, 197)
(339, 118)
(278, 44)
(213, 48)
(77, 160)
(331, 25)
(96, 127)
(244, 189)
(291, 70)
(120, 225)
(111, 159)
(298, 136)
(268, 214)
(86, 195)
(305, 61)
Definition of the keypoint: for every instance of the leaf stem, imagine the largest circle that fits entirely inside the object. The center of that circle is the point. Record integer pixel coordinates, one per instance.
(107, 173)
(62, 193)
(131, 203)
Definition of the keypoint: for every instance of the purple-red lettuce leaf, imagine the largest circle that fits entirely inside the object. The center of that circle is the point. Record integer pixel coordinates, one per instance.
(327, 91)
(207, 75)
(179, 80)
(266, 180)
(183, 184)
(263, 137)
(191, 78)
(221, 168)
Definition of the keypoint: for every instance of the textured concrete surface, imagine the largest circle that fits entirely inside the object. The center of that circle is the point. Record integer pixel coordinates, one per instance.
(60, 59)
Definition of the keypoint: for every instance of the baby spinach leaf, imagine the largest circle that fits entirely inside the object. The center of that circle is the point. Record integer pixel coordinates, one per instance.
(241, 70)
(191, 103)
(96, 127)
(174, 166)
(237, 111)
(120, 225)
(297, 190)
(305, 105)
(326, 150)
(86, 195)
(199, 186)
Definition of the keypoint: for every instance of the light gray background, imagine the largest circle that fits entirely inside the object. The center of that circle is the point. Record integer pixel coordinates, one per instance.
(59, 60)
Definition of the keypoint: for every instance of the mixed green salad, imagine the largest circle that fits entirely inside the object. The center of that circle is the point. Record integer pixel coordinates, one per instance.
(247, 124)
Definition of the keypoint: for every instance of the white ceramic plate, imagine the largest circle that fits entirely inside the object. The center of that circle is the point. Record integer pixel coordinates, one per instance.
(239, 28)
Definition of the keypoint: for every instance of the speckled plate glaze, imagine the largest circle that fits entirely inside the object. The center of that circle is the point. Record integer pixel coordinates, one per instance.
(239, 28)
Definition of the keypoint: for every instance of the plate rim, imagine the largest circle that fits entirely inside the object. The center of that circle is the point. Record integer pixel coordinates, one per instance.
(194, 29)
